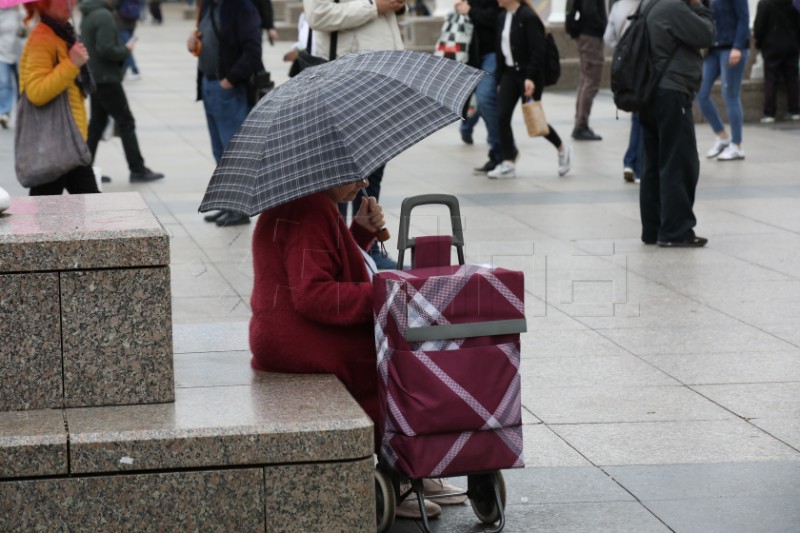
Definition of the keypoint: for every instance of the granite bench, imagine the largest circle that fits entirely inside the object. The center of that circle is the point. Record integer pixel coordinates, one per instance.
(264, 453)
(103, 428)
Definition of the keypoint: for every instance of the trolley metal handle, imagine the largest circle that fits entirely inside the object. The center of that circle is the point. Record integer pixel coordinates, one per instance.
(457, 237)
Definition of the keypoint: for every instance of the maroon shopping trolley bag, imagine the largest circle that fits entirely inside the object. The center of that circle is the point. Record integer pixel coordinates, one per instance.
(448, 348)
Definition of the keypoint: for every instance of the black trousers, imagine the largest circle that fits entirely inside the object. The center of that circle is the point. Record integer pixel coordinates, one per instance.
(79, 180)
(110, 101)
(510, 92)
(778, 66)
(670, 168)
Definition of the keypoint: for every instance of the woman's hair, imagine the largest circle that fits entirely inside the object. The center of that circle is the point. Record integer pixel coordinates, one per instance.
(36, 8)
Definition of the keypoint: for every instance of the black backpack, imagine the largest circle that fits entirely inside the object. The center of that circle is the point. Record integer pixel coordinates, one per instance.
(552, 61)
(633, 75)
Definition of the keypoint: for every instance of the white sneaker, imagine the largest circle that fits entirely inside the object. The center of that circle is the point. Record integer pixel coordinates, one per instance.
(502, 171)
(793, 117)
(731, 153)
(130, 76)
(564, 161)
(719, 146)
(766, 119)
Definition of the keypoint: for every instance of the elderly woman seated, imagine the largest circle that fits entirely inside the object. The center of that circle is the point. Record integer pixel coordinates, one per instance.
(312, 301)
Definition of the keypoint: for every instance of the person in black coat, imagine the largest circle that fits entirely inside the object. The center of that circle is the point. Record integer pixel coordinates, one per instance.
(776, 30)
(520, 52)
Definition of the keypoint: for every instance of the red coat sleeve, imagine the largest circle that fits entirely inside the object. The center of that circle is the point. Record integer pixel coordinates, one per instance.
(327, 284)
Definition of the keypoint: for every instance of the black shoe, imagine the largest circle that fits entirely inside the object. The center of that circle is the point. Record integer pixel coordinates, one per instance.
(105, 179)
(693, 242)
(585, 134)
(488, 167)
(232, 219)
(145, 175)
(213, 217)
(466, 137)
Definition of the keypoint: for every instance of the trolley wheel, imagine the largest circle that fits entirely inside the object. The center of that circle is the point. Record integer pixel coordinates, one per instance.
(384, 501)
(482, 496)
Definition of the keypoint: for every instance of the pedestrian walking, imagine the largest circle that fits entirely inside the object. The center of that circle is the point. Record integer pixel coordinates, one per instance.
(678, 31)
(12, 32)
(586, 23)
(520, 48)
(726, 59)
(357, 25)
(106, 57)
(54, 61)
(154, 6)
(483, 55)
(127, 13)
(776, 31)
(227, 44)
(618, 22)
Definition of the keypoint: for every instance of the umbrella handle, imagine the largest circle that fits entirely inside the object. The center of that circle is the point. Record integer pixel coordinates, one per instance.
(383, 235)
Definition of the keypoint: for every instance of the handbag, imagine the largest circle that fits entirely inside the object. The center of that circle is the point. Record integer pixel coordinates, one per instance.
(535, 120)
(454, 40)
(47, 141)
(305, 59)
(258, 85)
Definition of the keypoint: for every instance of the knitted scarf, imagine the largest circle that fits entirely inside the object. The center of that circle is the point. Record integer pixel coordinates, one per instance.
(66, 33)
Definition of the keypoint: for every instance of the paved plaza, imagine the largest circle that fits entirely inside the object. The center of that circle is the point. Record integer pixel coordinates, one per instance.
(661, 388)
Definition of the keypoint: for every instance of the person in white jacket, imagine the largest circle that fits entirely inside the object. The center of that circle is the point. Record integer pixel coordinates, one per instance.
(617, 24)
(359, 25)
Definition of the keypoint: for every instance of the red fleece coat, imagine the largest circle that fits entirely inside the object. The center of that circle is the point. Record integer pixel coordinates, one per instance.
(312, 298)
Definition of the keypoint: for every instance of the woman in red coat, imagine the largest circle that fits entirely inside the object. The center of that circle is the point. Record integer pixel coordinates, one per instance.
(312, 294)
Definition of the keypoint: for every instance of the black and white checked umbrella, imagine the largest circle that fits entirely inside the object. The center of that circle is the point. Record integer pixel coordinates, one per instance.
(334, 124)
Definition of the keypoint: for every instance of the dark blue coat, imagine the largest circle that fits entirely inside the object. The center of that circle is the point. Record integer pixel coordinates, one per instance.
(731, 24)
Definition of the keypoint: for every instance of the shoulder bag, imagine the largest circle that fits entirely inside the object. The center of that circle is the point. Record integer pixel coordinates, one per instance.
(47, 141)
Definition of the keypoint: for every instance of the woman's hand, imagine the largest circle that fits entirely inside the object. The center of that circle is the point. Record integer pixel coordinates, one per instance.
(370, 215)
(735, 57)
(225, 84)
(462, 7)
(78, 54)
(529, 87)
(193, 41)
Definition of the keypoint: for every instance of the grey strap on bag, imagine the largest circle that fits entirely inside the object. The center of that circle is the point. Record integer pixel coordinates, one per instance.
(47, 141)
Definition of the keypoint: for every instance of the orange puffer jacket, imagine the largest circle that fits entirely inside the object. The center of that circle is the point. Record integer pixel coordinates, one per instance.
(45, 71)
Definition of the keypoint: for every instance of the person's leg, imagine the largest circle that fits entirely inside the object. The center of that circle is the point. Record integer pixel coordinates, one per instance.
(632, 157)
(591, 54)
(791, 73)
(213, 108)
(771, 68)
(679, 166)
(507, 97)
(98, 119)
(731, 93)
(650, 189)
(711, 71)
(6, 89)
(486, 93)
(468, 125)
(54, 188)
(130, 63)
(116, 103)
(81, 180)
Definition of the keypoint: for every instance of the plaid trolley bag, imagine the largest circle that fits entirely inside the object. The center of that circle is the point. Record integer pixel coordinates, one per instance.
(448, 349)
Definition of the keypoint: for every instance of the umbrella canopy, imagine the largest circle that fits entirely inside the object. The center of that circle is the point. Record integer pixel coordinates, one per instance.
(334, 124)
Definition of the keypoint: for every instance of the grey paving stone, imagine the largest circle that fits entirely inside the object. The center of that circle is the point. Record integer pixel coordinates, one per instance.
(543, 448)
(213, 369)
(216, 337)
(747, 367)
(653, 341)
(785, 429)
(695, 441)
(756, 400)
(767, 514)
(591, 370)
(709, 481)
(619, 403)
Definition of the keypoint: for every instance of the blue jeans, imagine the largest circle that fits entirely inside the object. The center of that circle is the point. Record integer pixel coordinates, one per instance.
(468, 124)
(486, 93)
(130, 62)
(7, 77)
(225, 110)
(633, 155)
(715, 66)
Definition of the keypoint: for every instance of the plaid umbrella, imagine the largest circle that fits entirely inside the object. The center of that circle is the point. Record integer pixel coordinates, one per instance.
(334, 124)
